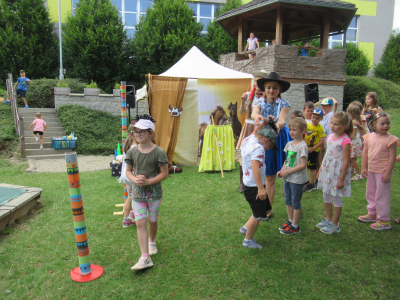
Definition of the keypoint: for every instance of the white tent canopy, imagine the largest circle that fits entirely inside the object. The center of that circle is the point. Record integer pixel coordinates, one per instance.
(195, 64)
(201, 98)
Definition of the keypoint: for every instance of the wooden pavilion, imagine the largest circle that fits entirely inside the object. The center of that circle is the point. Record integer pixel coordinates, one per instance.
(288, 20)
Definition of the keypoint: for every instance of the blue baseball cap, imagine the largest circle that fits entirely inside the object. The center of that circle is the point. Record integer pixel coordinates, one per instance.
(327, 101)
(318, 111)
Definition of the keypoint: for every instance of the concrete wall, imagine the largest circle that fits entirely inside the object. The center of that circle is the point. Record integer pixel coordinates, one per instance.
(327, 70)
(285, 60)
(105, 102)
(295, 95)
(375, 28)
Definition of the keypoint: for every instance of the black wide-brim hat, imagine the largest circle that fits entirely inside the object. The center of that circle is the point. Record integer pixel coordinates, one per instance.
(273, 76)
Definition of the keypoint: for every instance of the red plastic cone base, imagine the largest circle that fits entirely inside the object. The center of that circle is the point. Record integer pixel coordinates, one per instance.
(97, 271)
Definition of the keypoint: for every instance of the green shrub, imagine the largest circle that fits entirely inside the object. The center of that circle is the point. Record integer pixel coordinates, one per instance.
(357, 62)
(98, 132)
(357, 87)
(7, 132)
(41, 93)
(389, 67)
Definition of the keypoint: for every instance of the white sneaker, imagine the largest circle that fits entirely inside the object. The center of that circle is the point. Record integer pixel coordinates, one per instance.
(143, 263)
(152, 248)
(36, 139)
(41, 147)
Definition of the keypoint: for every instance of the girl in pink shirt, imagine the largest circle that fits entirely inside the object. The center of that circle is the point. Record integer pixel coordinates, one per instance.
(40, 127)
(378, 161)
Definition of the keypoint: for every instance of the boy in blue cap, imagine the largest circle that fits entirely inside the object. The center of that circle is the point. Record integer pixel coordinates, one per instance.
(315, 135)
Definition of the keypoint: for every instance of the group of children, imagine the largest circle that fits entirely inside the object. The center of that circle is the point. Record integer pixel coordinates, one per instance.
(327, 143)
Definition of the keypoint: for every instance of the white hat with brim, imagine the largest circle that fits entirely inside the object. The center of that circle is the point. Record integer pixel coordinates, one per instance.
(145, 124)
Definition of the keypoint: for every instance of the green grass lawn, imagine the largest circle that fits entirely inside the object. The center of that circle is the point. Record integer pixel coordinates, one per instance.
(200, 253)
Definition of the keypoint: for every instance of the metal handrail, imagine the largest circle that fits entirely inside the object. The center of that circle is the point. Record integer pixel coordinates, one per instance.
(18, 120)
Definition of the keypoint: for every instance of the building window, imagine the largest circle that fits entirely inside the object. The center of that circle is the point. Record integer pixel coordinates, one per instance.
(351, 35)
(204, 12)
(130, 12)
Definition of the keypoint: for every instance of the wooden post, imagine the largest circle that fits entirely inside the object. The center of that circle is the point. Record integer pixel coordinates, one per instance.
(279, 25)
(22, 135)
(325, 30)
(240, 36)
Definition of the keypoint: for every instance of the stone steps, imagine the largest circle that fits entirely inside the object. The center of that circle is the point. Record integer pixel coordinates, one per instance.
(54, 129)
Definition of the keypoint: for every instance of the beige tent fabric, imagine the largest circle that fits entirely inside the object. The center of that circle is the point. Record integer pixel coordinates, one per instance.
(187, 147)
(165, 91)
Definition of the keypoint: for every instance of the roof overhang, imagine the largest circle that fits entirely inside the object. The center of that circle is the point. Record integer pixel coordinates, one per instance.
(302, 19)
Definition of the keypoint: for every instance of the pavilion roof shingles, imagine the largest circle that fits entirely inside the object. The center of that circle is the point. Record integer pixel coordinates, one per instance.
(260, 3)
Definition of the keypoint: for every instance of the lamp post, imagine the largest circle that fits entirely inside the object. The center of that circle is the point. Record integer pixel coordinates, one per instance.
(60, 38)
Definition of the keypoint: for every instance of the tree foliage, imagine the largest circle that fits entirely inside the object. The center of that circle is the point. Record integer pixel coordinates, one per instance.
(166, 33)
(95, 43)
(27, 40)
(217, 41)
(357, 62)
(389, 67)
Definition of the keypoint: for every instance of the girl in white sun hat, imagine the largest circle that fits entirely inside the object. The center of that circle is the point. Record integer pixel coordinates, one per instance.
(149, 164)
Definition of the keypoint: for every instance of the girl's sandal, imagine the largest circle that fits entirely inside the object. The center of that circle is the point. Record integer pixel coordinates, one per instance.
(356, 177)
(397, 220)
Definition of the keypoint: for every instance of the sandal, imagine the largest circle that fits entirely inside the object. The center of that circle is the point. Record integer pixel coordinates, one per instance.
(397, 220)
(357, 177)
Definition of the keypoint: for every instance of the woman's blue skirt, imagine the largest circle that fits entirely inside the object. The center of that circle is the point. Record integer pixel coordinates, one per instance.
(274, 159)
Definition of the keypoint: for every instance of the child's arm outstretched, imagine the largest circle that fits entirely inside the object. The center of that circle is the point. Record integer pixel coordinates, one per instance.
(255, 166)
(346, 162)
(392, 159)
(33, 123)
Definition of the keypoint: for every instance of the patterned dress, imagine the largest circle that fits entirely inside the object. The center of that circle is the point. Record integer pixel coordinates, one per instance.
(332, 168)
(356, 145)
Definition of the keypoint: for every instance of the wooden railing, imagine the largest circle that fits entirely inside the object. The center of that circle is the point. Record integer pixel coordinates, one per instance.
(18, 120)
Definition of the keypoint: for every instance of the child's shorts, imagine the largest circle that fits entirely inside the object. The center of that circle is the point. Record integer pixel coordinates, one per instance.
(312, 160)
(259, 207)
(146, 209)
(293, 194)
(21, 93)
(36, 132)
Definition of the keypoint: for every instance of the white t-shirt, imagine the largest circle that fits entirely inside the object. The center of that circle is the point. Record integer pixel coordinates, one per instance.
(308, 121)
(252, 150)
(326, 122)
(293, 159)
(252, 43)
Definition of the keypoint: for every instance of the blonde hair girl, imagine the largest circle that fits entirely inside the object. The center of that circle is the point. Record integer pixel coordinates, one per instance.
(334, 175)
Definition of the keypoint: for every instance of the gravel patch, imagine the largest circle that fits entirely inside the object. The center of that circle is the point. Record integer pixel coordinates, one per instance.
(85, 163)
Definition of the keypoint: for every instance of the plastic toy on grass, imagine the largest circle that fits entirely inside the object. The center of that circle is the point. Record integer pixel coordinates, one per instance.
(86, 271)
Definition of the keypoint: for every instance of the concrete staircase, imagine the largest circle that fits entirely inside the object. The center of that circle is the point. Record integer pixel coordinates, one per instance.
(54, 128)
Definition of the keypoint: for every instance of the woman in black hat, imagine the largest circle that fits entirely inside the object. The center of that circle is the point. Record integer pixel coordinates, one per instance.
(274, 106)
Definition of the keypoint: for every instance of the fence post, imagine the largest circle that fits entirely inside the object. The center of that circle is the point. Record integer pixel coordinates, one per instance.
(22, 135)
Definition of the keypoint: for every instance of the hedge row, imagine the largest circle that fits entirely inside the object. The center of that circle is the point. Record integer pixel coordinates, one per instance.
(98, 132)
(357, 87)
(41, 93)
